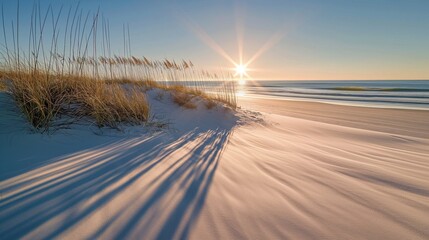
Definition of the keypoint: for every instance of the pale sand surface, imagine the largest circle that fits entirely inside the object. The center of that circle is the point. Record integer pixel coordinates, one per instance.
(312, 180)
(390, 120)
(308, 171)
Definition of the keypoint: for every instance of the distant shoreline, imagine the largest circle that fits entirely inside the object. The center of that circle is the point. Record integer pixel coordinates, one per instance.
(410, 122)
(380, 94)
(350, 104)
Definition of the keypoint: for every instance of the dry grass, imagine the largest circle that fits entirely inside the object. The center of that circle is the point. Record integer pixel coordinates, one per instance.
(210, 104)
(39, 100)
(110, 105)
(147, 84)
(74, 73)
(184, 100)
(44, 98)
(182, 95)
(3, 86)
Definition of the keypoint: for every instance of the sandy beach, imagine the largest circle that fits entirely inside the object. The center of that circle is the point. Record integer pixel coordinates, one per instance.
(214, 120)
(297, 170)
(389, 120)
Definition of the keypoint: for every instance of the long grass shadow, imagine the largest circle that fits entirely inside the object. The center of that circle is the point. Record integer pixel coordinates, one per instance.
(53, 199)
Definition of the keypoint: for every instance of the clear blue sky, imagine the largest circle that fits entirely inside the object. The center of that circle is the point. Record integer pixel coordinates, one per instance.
(329, 39)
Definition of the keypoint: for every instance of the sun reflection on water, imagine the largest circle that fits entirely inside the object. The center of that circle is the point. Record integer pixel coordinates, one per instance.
(240, 93)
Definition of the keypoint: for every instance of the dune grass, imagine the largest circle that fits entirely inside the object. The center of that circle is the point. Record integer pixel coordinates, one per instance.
(72, 72)
(184, 100)
(110, 105)
(43, 97)
(3, 86)
(3, 81)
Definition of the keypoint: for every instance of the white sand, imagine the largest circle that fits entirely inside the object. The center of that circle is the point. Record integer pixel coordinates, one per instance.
(288, 176)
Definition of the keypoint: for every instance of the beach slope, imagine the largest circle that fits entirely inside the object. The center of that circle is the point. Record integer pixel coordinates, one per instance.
(297, 170)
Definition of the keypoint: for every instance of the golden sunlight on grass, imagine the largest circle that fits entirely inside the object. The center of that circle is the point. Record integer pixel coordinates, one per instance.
(95, 83)
(2, 85)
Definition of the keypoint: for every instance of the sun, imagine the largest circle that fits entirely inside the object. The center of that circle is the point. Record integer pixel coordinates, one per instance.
(240, 70)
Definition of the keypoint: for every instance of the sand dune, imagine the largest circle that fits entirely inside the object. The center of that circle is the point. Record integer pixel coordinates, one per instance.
(283, 177)
(309, 180)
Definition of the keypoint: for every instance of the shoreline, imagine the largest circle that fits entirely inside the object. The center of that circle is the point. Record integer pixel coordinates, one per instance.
(409, 122)
(333, 102)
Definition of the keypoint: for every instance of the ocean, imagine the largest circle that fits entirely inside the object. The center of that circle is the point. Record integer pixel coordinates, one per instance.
(409, 94)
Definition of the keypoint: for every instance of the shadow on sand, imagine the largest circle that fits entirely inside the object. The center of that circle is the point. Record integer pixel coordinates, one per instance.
(152, 187)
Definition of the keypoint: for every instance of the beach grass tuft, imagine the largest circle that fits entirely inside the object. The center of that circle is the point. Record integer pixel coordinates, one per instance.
(75, 72)
(3, 86)
(184, 100)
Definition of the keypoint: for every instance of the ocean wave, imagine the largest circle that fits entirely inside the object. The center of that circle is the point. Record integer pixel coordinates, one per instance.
(327, 92)
(376, 89)
(401, 94)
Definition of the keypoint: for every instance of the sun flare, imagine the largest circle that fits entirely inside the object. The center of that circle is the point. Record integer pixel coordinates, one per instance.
(240, 70)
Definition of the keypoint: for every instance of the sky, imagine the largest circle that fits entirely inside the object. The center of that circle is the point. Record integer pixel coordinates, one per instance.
(282, 39)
